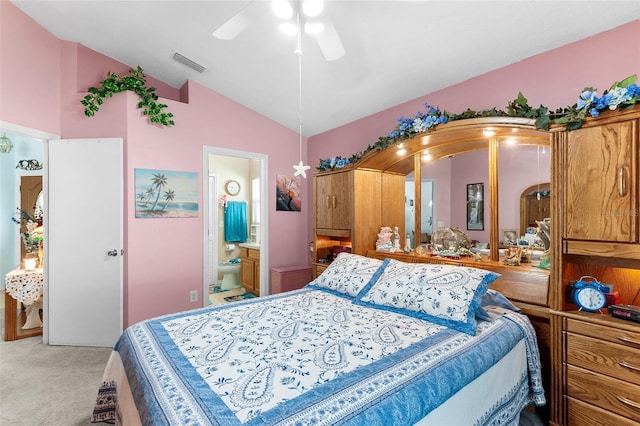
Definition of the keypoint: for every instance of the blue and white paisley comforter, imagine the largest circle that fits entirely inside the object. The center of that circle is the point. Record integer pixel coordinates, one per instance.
(310, 357)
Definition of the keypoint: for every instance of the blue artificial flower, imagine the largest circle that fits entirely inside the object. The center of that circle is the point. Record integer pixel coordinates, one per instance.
(618, 96)
(586, 98)
(594, 112)
(634, 90)
(603, 102)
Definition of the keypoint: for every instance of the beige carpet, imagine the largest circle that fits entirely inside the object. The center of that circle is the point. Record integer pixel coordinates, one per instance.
(53, 385)
(47, 385)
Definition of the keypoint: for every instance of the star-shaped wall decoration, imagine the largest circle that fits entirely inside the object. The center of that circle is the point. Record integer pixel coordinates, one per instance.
(300, 169)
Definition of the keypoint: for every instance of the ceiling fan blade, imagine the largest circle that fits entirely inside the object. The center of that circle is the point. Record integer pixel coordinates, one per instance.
(238, 22)
(329, 41)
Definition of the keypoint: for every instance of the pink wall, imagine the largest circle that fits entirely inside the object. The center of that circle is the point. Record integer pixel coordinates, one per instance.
(29, 72)
(163, 258)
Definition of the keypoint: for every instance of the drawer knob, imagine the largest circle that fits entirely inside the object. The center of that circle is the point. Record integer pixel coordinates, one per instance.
(625, 364)
(628, 402)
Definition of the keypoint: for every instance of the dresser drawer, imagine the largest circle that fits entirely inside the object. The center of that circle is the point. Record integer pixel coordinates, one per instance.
(601, 332)
(608, 358)
(605, 392)
(581, 413)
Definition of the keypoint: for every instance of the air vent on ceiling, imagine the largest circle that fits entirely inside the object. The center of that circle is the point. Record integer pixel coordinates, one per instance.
(188, 62)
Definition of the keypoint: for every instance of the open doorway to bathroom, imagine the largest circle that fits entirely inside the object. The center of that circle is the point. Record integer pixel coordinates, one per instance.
(235, 224)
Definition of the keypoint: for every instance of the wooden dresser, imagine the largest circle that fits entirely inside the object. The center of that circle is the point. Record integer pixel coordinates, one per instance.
(602, 370)
(595, 205)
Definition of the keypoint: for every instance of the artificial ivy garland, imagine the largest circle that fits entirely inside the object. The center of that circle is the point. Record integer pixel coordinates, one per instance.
(621, 95)
(136, 82)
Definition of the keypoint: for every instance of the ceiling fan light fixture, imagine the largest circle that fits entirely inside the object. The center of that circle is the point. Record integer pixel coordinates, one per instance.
(282, 9)
(289, 28)
(313, 27)
(312, 8)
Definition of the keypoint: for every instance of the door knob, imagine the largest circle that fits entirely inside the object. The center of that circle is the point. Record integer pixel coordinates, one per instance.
(112, 253)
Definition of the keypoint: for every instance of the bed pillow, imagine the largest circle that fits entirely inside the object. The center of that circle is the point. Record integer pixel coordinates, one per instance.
(493, 305)
(348, 274)
(443, 294)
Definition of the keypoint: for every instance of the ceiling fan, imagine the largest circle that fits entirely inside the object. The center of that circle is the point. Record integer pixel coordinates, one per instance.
(307, 14)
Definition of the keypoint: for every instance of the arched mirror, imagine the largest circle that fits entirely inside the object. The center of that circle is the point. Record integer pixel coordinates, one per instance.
(31, 203)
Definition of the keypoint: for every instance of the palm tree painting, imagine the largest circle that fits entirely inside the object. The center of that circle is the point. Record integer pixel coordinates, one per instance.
(165, 193)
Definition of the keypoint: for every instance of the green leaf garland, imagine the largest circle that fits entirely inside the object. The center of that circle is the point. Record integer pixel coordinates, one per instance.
(621, 95)
(136, 82)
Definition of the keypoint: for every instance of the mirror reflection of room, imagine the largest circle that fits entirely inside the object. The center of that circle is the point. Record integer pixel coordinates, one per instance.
(522, 169)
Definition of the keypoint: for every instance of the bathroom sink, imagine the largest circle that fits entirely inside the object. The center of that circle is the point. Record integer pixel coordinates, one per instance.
(253, 246)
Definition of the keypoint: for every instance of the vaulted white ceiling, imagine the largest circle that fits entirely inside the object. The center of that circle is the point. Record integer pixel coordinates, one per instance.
(396, 51)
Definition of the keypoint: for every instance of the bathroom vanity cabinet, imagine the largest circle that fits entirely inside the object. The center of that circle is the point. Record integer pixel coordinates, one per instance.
(250, 270)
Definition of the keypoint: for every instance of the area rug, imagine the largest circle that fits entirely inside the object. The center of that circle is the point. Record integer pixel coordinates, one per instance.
(239, 297)
(215, 288)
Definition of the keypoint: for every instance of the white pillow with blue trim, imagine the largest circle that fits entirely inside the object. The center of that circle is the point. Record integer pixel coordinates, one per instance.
(443, 294)
(348, 274)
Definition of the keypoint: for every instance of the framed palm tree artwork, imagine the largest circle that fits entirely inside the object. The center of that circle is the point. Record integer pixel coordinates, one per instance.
(166, 193)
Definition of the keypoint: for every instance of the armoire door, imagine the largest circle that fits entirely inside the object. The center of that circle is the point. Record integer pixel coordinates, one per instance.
(84, 245)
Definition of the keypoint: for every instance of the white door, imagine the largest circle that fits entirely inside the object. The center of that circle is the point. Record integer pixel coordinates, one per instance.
(85, 241)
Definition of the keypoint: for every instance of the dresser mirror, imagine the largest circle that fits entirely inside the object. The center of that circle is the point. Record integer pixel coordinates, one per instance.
(485, 140)
(523, 171)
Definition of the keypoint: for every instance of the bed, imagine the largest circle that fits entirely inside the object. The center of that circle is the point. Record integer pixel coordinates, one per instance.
(368, 342)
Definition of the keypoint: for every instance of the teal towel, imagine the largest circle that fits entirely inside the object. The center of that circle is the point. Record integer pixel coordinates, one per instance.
(235, 222)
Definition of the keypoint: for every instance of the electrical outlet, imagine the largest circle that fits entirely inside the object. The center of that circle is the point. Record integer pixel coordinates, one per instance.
(193, 296)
